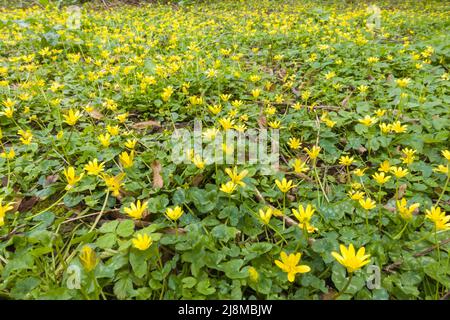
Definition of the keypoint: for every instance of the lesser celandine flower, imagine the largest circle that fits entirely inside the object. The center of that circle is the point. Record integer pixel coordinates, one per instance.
(142, 241)
(356, 195)
(405, 211)
(228, 187)
(265, 215)
(198, 161)
(385, 166)
(235, 176)
(300, 166)
(3, 209)
(113, 130)
(130, 143)
(367, 203)
(126, 159)
(399, 172)
(381, 178)
(442, 169)
(438, 217)
(350, 259)
(253, 274)
(174, 213)
(446, 154)
(385, 127)
(137, 210)
(274, 124)
(284, 185)
(367, 120)
(294, 143)
(359, 172)
(289, 264)
(71, 177)
(226, 123)
(113, 183)
(94, 168)
(104, 139)
(303, 214)
(397, 127)
(71, 118)
(88, 258)
(346, 160)
(313, 153)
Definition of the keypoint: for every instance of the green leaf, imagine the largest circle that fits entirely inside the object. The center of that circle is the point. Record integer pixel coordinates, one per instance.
(125, 228)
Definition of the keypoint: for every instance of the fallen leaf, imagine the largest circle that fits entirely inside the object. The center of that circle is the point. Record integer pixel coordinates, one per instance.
(146, 124)
(157, 178)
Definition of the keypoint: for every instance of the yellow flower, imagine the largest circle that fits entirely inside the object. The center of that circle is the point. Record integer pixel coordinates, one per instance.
(399, 172)
(226, 123)
(304, 215)
(228, 187)
(300, 166)
(215, 109)
(441, 221)
(104, 139)
(130, 143)
(442, 169)
(359, 172)
(408, 156)
(367, 204)
(405, 211)
(356, 195)
(380, 112)
(167, 92)
(289, 264)
(274, 124)
(126, 159)
(113, 183)
(385, 128)
(346, 160)
(88, 258)
(350, 259)
(137, 210)
(397, 127)
(253, 274)
(72, 117)
(313, 153)
(306, 226)
(380, 177)
(294, 143)
(235, 176)
(175, 213)
(71, 177)
(446, 154)
(225, 97)
(367, 120)
(198, 161)
(93, 168)
(256, 93)
(142, 241)
(3, 209)
(265, 215)
(403, 83)
(385, 166)
(26, 136)
(8, 155)
(8, 112)
(113, 130)
(284, 185)
(122, 117)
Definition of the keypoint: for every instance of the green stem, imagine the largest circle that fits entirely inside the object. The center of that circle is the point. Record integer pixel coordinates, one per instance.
(345, 287)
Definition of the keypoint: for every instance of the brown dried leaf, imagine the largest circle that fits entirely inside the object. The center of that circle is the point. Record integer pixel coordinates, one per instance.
(197, 180)
(146, 124)
(97, 115)
(402, 190)
(27, 204)
(157, 178)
